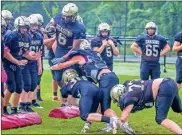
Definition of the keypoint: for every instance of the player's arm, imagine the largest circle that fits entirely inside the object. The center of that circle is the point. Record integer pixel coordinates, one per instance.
(135, 48)
(165, 50)
(39, 63)
(54, 46)
(99, 49)
(114, 48)
(177, 46)
(49, 42)
(125, 113)
(76, 45)
(72, 61)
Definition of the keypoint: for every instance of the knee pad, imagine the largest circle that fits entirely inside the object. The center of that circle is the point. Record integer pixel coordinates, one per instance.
(84, 117)
(19, 90)
(11, 87)
(33, 86)
(159, 119)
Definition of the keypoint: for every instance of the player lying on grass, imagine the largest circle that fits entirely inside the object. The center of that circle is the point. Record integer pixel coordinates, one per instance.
(89, 95)
(136, 95)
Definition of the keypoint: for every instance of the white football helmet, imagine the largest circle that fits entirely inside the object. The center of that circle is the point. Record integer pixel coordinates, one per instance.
(33, 19)
(117, 92)
(104, 27)
(6, 14)
(150, 25)
(21, 21)
(70, 12)
(85, 44)
(3, 25)
(40, 19)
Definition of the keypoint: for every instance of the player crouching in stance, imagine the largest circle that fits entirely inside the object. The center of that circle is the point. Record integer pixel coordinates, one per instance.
(89, 95)
(136, 95)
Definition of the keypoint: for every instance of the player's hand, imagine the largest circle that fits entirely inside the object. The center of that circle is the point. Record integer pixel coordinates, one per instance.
(55, 67)
(57, 60)
(104, 42)
(39, 70)
(110, 42)
(127, 129)
(22, 62)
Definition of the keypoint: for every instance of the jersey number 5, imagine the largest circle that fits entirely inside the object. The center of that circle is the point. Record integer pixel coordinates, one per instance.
(108, 51)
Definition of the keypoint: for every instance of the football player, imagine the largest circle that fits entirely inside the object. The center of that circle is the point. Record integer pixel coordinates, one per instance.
(41, 30)
(95, 69)
(33, 68)
(68, 32)
(89, 95)
(105, 45)
(136, 95)
(17, 43)
(151, 47)
(177, 47)
(7, 15)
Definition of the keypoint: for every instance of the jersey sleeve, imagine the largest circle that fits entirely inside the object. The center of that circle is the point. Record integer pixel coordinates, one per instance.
(139, 40)
(178, 37)
(81, 33)
(163, 42)
(95, 43)
(8, 37)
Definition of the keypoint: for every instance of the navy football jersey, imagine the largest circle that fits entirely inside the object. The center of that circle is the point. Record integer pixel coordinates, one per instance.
(139, 93)
(36, 42)
(178, 38)
(17, 44)
(94, 63)
(42, 47)
(151, 47)
(66, 33)
(107, 53)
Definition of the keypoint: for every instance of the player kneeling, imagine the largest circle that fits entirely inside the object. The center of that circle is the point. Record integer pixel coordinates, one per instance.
(136, 95)
(89, 95)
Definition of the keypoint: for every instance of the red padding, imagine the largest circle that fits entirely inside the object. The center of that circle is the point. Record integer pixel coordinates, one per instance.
(20, 120)
(65, 112)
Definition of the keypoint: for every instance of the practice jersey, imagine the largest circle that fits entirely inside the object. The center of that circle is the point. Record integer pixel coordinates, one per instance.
(66, 33)
(93, 65)
(17, 44)
(107, 53)
(151, 47)
(139, 93)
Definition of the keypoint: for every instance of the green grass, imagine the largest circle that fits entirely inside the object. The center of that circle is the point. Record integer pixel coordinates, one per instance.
(142, 122)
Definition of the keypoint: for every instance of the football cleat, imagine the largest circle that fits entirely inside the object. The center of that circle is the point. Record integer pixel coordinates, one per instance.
(85, 127)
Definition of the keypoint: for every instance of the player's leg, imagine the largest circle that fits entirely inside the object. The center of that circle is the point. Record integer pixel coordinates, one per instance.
(155, 71)
(179, 72)
(54, 83)
(26, 88)
(106, 82)
(18, 91)
(164, 101)
(38, 89)
(144, 71)
(35, 78)
(11, 86)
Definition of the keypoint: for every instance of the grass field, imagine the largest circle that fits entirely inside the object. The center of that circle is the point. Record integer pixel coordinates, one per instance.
(142, 122)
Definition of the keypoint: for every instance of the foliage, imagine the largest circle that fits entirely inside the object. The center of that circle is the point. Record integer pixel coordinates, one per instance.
(121, 15)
